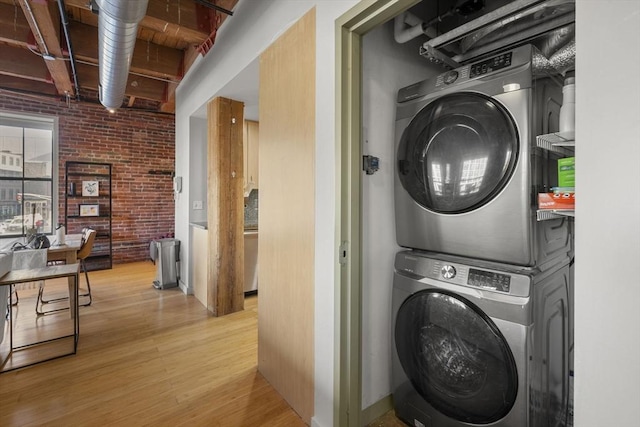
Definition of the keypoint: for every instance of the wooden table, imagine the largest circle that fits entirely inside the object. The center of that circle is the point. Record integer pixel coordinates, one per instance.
(31, 275)
(67, 252)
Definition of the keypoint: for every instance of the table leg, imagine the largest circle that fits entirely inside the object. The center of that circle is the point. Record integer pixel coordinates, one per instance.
(76, 308)
(72, 258)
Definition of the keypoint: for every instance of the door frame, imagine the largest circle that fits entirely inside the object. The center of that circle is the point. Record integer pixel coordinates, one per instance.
(350, 27)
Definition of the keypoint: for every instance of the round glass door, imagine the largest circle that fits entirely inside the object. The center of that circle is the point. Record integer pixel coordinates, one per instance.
(458, 153)
(455, 357)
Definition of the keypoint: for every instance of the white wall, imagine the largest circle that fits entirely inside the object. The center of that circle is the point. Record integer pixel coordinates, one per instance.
(607, 285)
(197, 176)
(198, 137)
(254, 25)
(387, 67)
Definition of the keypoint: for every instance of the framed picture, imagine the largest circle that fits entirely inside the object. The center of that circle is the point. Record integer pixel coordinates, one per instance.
(90, 188)
(89, 210)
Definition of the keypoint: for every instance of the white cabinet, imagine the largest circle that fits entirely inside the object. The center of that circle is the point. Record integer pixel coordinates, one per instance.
(200, 258)
(250, 152)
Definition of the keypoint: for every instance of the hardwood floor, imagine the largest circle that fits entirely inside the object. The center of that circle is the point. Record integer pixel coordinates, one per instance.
(145, 358)
(387, 420)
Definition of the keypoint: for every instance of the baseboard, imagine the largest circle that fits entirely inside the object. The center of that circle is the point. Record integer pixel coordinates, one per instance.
(376, 410)
(184, 288)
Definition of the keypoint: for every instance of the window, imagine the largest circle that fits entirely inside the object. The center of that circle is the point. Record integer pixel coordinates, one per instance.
(27, 197)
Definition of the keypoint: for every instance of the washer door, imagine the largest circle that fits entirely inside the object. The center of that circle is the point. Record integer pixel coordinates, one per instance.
(455, 357)
(458, 153)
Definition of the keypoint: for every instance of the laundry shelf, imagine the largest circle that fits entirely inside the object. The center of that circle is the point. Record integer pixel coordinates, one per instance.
(559, 142)
(546, 214)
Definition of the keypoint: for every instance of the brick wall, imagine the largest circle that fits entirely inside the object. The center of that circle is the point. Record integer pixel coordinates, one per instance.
(135, 142)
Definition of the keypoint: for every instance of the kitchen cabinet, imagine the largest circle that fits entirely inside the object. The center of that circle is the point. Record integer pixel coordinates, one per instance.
(87, 203)
(562, 143)
(250, 153)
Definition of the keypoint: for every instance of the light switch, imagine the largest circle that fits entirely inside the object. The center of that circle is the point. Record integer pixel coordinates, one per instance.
(197, 204)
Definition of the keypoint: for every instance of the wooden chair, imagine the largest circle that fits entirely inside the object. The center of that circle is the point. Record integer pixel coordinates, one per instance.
(86, 246)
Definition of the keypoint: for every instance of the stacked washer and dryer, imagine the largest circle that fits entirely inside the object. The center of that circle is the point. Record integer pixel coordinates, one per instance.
(481, 310)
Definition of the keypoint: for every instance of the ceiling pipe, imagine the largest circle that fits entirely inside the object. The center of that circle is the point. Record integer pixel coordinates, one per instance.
(117, 31)
(65, 27)
(205, 3)
(416, 27)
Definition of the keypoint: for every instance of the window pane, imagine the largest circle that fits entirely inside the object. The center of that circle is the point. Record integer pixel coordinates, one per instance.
(26, 174)
(11, 151)
(37, 205)
(37, 153)
(10, 207)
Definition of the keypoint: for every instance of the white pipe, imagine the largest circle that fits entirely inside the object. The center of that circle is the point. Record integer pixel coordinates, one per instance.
(403, 34)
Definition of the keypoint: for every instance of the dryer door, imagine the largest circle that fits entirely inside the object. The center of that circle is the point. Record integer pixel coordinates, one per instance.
(458, 153)
(455, 357)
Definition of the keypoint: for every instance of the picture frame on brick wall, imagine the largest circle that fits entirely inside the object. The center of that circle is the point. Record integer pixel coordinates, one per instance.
(90, 188)
(89, 210)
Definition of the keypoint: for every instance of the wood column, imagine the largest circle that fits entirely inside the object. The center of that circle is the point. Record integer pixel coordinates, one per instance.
(225, 270)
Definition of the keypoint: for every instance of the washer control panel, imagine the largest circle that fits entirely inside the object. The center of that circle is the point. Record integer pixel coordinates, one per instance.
(448, 271)
(419, 267)
(489, 280)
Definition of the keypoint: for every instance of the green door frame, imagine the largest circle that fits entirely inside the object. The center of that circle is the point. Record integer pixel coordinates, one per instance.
(350, 27)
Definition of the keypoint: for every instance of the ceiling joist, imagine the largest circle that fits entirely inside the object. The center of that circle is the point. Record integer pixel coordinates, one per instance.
(148, 58)
(18, 62)
(44, 21)
(168, 37)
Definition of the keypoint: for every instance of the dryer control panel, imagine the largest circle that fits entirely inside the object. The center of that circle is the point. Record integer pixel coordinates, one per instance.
(490, 65)
(464, 75)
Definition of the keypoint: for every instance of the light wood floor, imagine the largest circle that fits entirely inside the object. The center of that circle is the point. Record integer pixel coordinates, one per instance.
(145, 358)
(388, 420)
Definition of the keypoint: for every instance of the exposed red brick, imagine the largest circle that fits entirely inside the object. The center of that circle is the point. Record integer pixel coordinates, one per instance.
(134, 142)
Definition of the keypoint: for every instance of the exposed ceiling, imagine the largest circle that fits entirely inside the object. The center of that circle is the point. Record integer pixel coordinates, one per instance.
(170, 37)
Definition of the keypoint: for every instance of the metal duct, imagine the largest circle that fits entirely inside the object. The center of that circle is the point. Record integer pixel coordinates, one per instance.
(561, 61)
(564, 60)
(117, 30)
(556, 39)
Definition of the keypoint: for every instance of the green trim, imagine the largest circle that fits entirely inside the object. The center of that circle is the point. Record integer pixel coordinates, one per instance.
(350, 27)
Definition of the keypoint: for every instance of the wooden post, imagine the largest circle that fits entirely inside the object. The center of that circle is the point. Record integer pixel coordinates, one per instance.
(225, 270)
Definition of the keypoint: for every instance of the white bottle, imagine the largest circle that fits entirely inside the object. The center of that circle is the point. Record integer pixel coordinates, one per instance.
(568, 109)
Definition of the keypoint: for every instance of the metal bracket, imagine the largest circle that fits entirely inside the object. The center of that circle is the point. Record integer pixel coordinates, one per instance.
(437, 57)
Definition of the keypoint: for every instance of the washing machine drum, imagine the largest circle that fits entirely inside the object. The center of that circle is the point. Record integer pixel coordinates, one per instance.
(458, 153)
(455, 357)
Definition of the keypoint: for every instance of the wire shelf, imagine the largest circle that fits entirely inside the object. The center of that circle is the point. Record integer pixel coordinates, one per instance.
(559, 142)
(546, 214)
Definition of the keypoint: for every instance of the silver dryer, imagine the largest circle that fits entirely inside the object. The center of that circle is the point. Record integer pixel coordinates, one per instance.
(467, 170)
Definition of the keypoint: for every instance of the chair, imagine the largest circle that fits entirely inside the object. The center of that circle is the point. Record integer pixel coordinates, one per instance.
(86, 246)
(25, 259)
